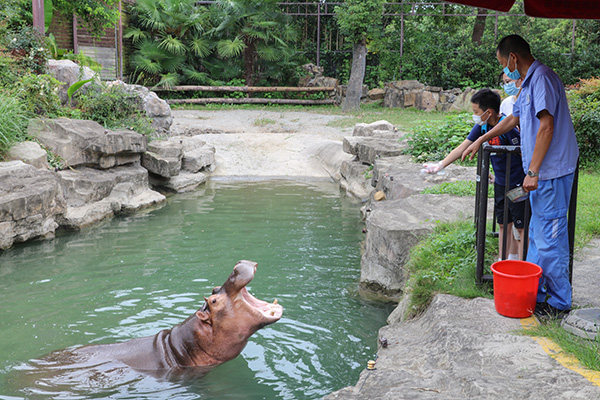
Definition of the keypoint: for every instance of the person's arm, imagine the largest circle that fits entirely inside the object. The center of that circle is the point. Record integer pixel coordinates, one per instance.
(456, 153)
(433, 168)
(503, 126)
(542, 144)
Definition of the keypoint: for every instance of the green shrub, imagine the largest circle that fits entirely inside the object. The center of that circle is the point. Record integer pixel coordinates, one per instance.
(114, 108)
(584, 102)
(39, 94)
(433, 141)
(14, 119)
(28, 47)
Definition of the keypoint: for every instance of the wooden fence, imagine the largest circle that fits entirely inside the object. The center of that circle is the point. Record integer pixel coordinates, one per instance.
(248, 90)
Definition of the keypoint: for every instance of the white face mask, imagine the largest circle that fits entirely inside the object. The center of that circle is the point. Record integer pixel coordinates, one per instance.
(478, 121)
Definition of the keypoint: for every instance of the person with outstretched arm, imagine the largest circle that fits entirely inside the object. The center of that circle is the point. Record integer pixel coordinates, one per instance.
(549, 153)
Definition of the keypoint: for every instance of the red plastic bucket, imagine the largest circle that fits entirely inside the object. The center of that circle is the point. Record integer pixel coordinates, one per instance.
(515, 287)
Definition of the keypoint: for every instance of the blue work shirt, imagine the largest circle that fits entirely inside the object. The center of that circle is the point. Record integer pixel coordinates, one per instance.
(542, 90)
(498, 160)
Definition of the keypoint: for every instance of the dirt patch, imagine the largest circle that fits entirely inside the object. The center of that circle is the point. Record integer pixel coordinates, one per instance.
(256, 143)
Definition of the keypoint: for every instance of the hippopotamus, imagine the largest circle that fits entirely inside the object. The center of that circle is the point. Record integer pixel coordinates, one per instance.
(216, 333)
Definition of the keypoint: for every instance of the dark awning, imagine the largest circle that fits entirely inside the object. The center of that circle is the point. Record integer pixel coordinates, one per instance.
(568, 9)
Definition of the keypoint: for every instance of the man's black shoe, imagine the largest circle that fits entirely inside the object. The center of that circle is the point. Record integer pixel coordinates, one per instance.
(546, 311)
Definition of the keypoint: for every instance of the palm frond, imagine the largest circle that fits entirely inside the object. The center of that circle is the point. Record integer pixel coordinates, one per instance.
(230, 48)
(200, 46)
(268, 53)
(195, 76)
(151, 50)
(135, 34)
(173, 45)
(173, 63)
(169, 80)
(145, 64)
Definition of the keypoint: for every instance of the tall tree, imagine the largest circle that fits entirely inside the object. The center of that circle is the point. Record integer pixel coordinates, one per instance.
(479, 26)
(253, 29)
(167, 35)
(358, 19)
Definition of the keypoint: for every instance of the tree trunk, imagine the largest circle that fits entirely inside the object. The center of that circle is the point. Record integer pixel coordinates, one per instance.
(479, 26)
(249, 53)
(357, 75)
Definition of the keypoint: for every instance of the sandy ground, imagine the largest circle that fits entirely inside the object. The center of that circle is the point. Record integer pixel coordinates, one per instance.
(254, 143)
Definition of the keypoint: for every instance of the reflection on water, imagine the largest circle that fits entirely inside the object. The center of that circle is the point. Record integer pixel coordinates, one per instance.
(137, 274)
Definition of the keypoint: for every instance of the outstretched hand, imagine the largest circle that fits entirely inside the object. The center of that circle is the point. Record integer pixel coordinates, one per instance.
(471, 150)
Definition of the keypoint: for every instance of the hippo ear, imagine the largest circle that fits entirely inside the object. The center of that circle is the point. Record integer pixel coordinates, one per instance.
(203, 314)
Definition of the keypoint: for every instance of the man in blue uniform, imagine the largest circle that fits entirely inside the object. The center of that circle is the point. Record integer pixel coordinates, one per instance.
(550, 154)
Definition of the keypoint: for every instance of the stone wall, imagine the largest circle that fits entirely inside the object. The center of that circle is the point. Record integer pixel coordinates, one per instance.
(404, 94)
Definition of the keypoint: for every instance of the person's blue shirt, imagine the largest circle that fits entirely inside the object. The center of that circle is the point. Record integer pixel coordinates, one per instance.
(542, 90)
(498, 160)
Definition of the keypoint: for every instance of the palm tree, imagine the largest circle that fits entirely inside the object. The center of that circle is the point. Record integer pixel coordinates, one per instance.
(169, 42)
(255, 29)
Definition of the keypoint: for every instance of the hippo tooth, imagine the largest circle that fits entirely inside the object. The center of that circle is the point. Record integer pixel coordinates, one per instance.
(272, 313)
(275, 301)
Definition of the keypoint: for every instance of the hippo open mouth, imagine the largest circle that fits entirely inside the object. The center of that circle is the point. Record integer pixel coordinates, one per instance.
(271, 312)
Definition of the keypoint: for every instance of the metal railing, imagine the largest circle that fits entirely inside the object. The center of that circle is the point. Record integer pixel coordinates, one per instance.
(481, 204)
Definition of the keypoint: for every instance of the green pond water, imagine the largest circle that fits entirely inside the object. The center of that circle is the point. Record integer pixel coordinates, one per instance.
(137, 274)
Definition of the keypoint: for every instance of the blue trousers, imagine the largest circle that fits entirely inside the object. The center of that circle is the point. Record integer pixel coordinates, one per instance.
(549, 241)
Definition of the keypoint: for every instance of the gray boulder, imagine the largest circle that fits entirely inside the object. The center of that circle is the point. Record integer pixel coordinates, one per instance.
(197, 156)
(163, 158)
(87, 143)
(393, 228)
(184, 182)
(369, 149)
(363, 129)
(93, 195)
(332, 156)
(463, 349)
(398, 177)
(30, 203)
(68, 72)
(356, 179)
(199, 159)
(30, 153)
(155, 108)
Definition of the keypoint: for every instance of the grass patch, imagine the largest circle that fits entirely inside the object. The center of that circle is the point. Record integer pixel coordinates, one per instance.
(587, 223)
(458, 188)
(444, 262)
(586, 351)
(263, 121)
(14, 118)
(405, 119)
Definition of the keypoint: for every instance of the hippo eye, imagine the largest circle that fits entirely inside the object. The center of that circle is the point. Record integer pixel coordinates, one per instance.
(214, 301)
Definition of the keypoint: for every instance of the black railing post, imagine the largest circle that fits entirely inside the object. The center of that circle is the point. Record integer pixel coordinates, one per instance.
(571, 220)
(481, 208)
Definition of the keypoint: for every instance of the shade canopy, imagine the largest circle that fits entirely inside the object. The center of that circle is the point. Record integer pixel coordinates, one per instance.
(568, 9)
